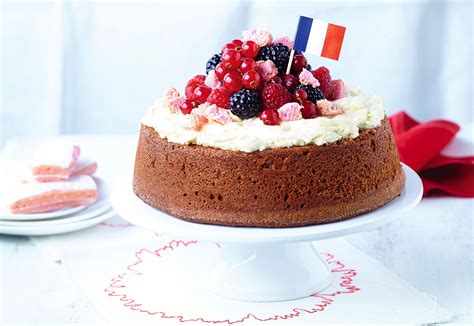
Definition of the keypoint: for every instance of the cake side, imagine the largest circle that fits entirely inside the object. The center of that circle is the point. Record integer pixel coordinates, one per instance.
(281, 187)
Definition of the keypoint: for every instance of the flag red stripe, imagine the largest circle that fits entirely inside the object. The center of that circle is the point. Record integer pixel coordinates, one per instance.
(333, 41)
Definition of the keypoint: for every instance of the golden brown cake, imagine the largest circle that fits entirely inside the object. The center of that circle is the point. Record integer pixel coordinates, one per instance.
(281, 187)
(269, 150)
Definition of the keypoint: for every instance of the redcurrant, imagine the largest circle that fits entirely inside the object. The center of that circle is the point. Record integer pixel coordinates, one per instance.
(249, 49)
(233, 81)
(309, 110)
(247, 65)
(270, 117)
(290, 82)
(300, 96)
(201, 93)
(221, 71)
(299, 62)
(231, 58)
(187, 106)
(251, 79)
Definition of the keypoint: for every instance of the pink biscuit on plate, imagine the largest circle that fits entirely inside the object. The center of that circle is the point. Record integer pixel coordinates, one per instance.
(54, 161)
(84, 167)
(290, 112)
(38, 197)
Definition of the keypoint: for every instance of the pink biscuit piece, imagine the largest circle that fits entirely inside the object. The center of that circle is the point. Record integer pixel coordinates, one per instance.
(212, 81)
(214, 113)
(285, 40)
(290, 112)
(193, 121)
(259, 36)
(173, 99)
(171, 93)
(38, 197)
(54, 160)
(327, 108)
(266, 69)
(338, 89)
(307, 78)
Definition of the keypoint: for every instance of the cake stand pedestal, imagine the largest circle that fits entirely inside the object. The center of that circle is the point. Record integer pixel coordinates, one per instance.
(264, 264)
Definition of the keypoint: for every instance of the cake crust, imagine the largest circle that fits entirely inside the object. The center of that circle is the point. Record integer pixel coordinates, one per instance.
(283, 187)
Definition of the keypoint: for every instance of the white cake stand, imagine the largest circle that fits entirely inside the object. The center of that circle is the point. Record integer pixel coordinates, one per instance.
(265, 264)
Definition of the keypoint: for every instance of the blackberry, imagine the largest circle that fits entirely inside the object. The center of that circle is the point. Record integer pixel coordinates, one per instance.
(245, 103)
(278, 53)
(213, 62)
(314, 94)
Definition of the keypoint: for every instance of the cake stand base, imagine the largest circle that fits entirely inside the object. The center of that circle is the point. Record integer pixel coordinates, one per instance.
(269, 272)
(264, 264)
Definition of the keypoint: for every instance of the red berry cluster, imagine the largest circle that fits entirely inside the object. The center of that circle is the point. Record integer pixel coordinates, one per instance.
(237, 69)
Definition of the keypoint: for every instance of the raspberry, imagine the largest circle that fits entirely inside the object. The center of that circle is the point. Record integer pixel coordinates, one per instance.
(274, 96)
(192, 84)
(220, 97)
(324, 77)
(338, 89)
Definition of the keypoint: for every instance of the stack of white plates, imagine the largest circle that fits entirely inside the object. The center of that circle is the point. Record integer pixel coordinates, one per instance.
(60, 221)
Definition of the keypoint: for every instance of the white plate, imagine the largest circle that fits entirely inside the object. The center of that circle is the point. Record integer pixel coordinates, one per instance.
(104, 191)
(89, 212)
(131, 208)
(55, 229)
(7, 216)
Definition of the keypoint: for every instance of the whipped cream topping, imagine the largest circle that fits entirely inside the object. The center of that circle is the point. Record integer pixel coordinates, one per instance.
(359, 112)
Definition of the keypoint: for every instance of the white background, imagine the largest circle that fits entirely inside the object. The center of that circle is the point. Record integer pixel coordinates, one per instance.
(94, 67)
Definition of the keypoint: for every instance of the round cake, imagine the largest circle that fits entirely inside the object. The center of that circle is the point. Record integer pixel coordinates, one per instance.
(281, 152)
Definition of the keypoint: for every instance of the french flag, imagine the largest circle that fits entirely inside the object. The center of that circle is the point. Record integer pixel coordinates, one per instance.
(318, 37)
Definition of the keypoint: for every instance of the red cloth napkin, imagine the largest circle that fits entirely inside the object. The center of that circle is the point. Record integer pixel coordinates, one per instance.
(420, 144)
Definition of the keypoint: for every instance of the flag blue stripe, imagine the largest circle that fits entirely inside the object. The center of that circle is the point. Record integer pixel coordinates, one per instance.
(302, 33)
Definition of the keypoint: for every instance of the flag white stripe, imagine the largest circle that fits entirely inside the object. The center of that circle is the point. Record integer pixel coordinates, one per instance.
(316, 37)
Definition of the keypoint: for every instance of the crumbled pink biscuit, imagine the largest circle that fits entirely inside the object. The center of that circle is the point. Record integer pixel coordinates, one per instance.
(285, 40)
(173, 99)
(171, 93)
(259, 36)
(212, 81)
(307, 78)
(338, 89)
(214, 113)
(328, 108)
(266, 69)
(193, 121)
(290, 112)
(175, 103)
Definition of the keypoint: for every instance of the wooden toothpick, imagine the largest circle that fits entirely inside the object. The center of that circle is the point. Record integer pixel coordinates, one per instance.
(292, 54)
